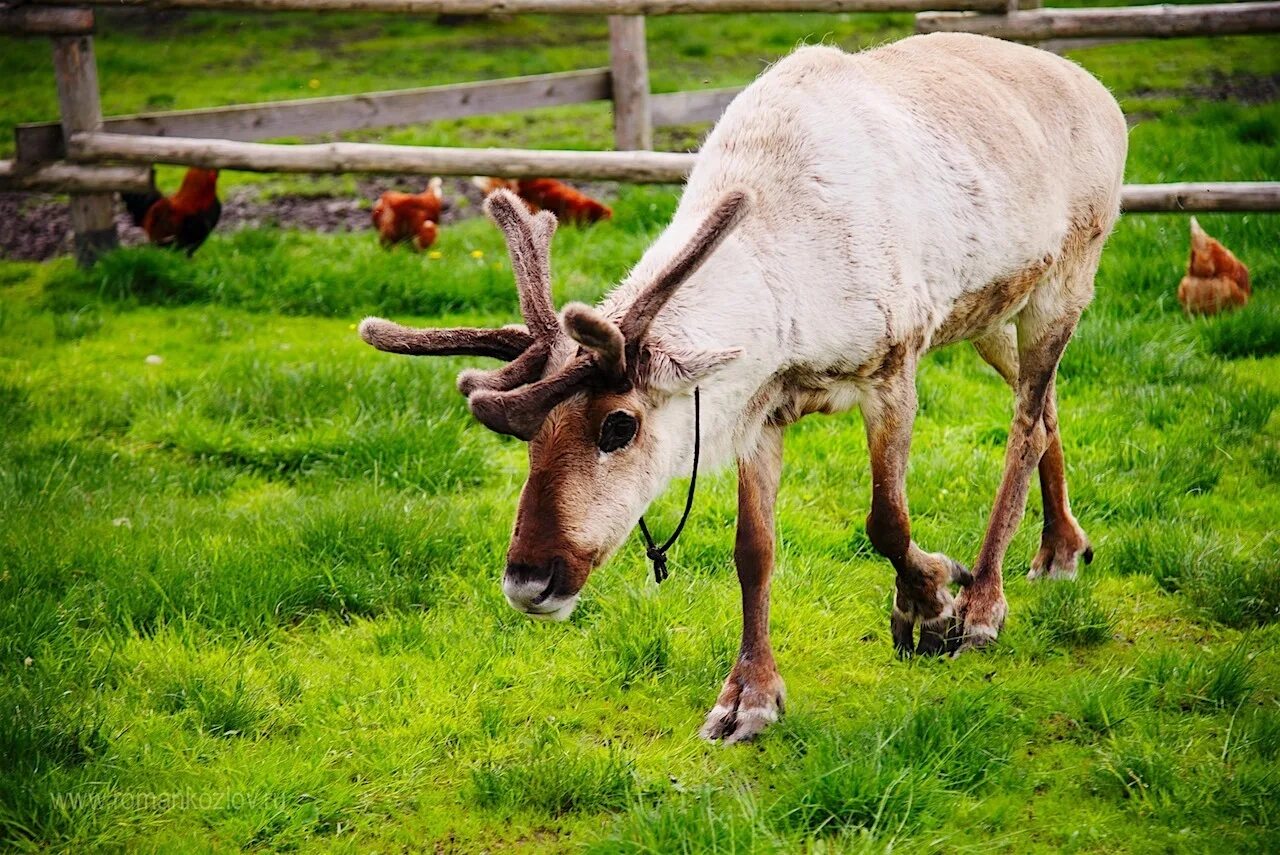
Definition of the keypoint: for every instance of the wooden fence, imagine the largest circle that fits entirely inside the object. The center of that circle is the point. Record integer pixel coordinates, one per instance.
(89, 156)
(1143, 22)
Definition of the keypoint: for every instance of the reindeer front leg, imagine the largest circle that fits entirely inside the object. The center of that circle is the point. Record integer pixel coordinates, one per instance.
(752, 697)
(981, 607)
(924, 579)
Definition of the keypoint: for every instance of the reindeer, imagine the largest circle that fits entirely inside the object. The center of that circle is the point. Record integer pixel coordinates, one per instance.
(846, 215)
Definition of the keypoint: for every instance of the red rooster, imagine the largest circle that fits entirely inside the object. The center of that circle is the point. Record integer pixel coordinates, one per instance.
(183, 220)
(409, 217)
(1215, 279)
(548, 194)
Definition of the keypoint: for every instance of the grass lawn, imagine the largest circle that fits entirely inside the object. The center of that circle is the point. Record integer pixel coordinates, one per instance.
(249, 590)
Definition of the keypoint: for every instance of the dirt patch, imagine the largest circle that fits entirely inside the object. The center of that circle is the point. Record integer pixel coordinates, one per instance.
(1252, 89)
(147, 23)
(36, 227)
(32, 227)
(1245, 88)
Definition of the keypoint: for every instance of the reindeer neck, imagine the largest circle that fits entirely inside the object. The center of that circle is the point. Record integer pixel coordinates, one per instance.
(727, 303)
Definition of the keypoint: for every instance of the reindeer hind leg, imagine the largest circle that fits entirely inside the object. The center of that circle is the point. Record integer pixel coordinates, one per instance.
(1062, 541)
(1044, 327)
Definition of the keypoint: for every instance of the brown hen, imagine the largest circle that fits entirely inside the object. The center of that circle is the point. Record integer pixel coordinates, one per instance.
(409, 217)
(547, 194)
(1215, 279)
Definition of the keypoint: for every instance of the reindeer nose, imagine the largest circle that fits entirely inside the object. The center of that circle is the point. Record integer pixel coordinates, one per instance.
(531, 588)
(529, 583)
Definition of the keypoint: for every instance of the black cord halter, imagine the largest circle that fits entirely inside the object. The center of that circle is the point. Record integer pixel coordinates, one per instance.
(658, 554)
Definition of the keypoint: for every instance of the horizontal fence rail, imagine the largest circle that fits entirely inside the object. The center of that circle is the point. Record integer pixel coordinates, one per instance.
(1223, 196)
(45, 21)
(1148, 22)
(638, 166)
(312, 116)
(59, 177)
(685, 108)
(627, 166)
(42, 141)
(553, 7)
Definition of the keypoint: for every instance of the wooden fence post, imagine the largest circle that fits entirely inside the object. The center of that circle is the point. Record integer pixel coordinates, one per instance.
(92, 214)
(1015, 5)
(629, 64)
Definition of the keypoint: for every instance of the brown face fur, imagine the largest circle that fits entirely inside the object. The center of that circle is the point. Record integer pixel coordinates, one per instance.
(570, 507)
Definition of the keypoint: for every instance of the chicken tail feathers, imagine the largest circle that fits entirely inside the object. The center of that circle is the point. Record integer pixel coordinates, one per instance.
(137, 204)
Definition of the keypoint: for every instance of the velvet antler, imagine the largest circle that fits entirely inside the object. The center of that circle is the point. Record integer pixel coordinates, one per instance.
(528, 239)
(529, 245)
(591, 329)
(520, 412)
(516, 398)
(504, 343)
(509, 400)
(525, 348)
(714, 229)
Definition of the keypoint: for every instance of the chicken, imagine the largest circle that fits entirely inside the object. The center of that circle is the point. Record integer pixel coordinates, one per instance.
(183, 220)
(548, 194)
(409, 217)
(1215, 279)
(137, 204)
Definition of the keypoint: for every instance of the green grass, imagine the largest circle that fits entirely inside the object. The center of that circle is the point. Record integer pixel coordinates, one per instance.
(249, 594)
(1070, 615)
(258, 585)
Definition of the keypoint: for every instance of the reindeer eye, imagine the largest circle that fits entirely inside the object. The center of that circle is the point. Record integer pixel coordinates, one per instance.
(617, 430)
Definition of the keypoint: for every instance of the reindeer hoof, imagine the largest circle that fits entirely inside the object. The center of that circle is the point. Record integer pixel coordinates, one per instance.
(745, 707)
(1059, 554)
(938, 633)
(1063, 545)
(979, 620)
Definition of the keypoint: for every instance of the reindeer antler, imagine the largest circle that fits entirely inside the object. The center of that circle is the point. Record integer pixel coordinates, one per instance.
(504, 343)
(529, 245)
(618, 345)
(713, 230)
(516, 398)
(512, 399)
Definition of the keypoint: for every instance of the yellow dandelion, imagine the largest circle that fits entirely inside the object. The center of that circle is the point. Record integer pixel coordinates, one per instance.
(313, 83)
(477, 254)
(351, 326)
(435, 255)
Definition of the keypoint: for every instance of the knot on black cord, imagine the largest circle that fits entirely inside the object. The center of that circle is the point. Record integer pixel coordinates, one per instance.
(659, 559)
(658, 554)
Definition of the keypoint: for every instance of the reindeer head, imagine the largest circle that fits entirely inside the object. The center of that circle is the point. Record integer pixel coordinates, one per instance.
(597, 399)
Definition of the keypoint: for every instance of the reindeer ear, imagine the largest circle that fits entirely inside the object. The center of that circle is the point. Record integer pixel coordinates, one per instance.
(589, 328)
(672, 368)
